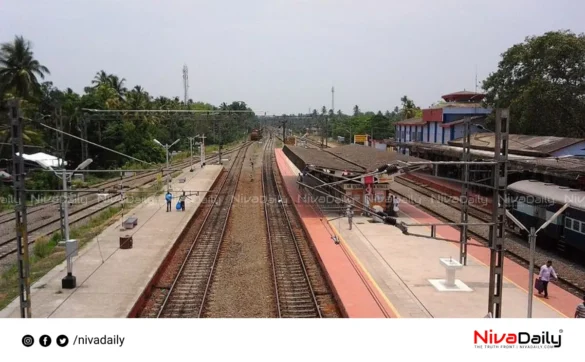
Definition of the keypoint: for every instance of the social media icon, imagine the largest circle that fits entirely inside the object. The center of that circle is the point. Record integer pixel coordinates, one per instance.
(28, 340)
(45, 340)
(62, 340)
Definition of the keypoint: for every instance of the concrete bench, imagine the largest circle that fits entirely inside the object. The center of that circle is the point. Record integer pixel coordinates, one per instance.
(130, 222)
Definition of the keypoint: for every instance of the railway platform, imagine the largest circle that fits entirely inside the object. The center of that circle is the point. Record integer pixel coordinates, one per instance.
(405, 266)
(355, 292)
(110, 280)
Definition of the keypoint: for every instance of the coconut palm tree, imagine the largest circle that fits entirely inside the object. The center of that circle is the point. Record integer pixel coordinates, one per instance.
(19, 69)
(118, 85)
(100, 78)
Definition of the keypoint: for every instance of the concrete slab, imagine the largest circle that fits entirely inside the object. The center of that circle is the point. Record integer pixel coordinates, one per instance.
(110, 280)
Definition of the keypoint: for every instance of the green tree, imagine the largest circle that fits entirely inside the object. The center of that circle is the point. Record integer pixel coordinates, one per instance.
(542, 81)
(19, 69)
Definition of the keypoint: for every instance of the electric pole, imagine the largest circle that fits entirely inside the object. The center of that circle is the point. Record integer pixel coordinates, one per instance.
(499, 199)
(18, 175)
(61, 153)
(465, 191)
(191, 139)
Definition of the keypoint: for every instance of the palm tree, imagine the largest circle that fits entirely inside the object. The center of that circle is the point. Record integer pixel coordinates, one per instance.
(19, 69)
(100, 78)
(118, 85)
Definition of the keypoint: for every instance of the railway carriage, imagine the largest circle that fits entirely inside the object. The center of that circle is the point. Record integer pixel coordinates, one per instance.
(534, 202)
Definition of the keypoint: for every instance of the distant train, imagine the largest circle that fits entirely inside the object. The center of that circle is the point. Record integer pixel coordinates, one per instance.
(256, 135)
(534, 202)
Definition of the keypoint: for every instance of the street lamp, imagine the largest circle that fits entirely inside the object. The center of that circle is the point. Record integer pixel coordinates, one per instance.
(532, 241)
(166, 147)
(69, 281)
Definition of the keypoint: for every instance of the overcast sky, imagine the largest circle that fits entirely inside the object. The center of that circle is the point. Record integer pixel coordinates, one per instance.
(283, 56)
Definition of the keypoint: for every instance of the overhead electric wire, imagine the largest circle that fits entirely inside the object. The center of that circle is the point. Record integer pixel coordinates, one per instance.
(95, 144)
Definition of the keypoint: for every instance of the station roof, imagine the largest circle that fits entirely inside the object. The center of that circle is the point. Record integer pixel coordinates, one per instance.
(550, 192)
(319, 158)
(567, 167)
(369, 158)
(521, 144)
(352, 158)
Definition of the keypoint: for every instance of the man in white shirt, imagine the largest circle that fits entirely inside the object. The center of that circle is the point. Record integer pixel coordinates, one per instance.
(546, 272)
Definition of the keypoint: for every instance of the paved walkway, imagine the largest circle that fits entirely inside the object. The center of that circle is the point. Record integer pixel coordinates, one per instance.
(358, 297)
(402, 266)
(561, 301)
(110, 280)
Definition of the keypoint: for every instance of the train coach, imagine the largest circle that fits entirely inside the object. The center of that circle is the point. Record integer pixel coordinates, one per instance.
(534, 202)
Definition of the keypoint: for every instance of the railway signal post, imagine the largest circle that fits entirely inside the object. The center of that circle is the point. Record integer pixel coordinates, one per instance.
(497, 229)
(18, 175)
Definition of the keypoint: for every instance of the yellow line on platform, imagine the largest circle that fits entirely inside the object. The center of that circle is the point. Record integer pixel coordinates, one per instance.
(368, 275)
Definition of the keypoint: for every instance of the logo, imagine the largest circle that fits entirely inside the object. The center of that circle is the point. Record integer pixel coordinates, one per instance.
(28, 340)
(62, 340)
(45, 340)
(489, 339)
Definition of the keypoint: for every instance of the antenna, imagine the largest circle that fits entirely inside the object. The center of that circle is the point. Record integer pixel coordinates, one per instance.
(186, 83)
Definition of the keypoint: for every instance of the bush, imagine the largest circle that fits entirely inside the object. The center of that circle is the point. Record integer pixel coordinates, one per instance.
(43, 247)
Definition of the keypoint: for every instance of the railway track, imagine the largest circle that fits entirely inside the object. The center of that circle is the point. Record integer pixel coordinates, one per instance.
(49, 224)
(186, 296)
(516, 248)
(294, 294)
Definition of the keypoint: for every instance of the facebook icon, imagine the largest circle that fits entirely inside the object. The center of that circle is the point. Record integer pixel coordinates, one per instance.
(45, 340)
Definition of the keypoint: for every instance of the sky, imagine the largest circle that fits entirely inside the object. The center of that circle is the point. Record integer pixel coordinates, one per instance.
(283, 56)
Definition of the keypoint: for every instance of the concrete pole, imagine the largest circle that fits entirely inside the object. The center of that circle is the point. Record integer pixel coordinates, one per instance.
(532, 241)
(69, 282)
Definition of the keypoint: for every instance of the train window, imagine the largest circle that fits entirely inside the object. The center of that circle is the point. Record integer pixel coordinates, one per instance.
(583, 227)
(576, 225)
(568, 222)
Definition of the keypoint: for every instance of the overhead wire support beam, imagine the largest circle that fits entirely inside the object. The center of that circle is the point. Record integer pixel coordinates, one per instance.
(18, 179)
(496, 235)
(464, 199)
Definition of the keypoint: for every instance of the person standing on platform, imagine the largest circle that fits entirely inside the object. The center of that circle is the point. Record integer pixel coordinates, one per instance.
(546, 272)
(169, 198)
(580, 311)
(182, 199)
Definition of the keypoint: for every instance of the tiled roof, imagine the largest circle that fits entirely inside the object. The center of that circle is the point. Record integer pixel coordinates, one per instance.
(542, 145)
(368, 157)
(411, 122)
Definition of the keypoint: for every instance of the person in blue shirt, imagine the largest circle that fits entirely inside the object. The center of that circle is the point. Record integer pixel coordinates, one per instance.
(169, 198)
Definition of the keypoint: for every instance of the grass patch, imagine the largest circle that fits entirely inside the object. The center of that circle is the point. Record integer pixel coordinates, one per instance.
(46, 253)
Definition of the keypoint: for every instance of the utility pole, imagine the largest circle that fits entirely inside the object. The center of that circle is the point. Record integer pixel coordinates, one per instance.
(61, 153)
(191, 139)
(532, 233)
(202, 137)
(499, 199)
(84, 145)
(465, 191)
(18, 174)
(283, 122)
